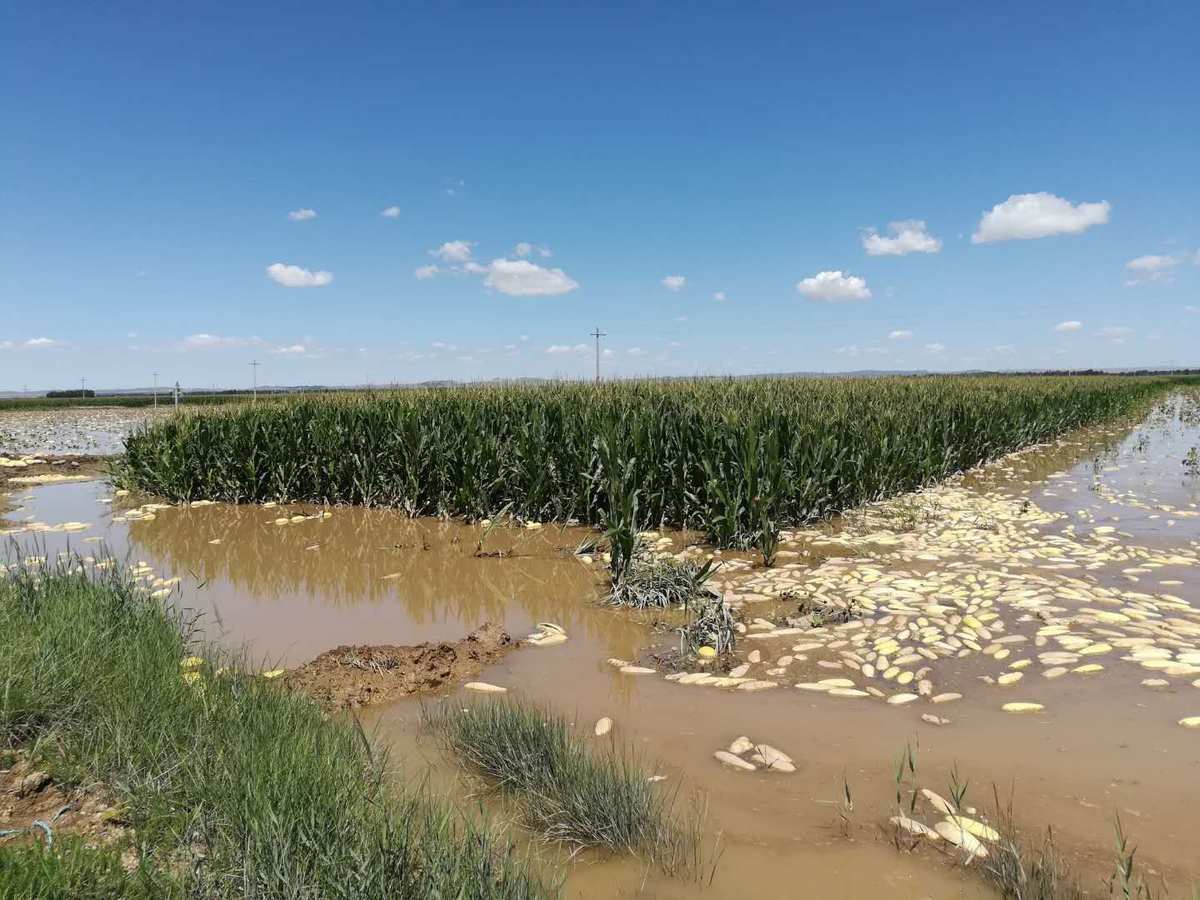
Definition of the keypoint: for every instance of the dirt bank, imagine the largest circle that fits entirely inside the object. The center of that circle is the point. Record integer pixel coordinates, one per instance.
(349, 677)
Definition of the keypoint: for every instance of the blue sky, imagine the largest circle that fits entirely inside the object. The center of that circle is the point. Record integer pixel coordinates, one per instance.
(152, 157)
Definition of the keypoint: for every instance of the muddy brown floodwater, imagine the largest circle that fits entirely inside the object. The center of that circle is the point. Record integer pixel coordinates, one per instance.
(1063, 579)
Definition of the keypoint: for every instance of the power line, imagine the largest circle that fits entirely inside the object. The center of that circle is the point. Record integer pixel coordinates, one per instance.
(254, 364)
(597, 334)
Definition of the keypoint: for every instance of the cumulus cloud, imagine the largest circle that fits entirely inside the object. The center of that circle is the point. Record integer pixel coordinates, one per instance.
(1029, 216)
(39, 343)
(559, 349)
(296, 277)
(904, 237)
(719, 296)
(423, 272)
(390, 212)
(674, 283)
(524, 248)
(302, 215)
(901, 334)
(1151, 268)
(834, 287)
(290, 350)
(454, 251)
(521, 278)
(1069, 325)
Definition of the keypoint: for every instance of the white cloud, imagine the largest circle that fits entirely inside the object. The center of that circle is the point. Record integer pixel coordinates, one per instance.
(291, 350)
(902, 334)
(302, 215)
(390, 212)
(1151, 263)
(6, 345)
(1192, 309)
(834, 287)
(521, 278)
(204, 341)
(1151, 268)
(936, 347)
(1029, 216)
(674, 283)
(524, 248)
(296, 277)
(454, 251)
(1069, 325)
(635, 351)
(442, 345)
(423, 272)
(906, 236)
(38, 343)
(719, 296)
(473, 267)
(558, 349)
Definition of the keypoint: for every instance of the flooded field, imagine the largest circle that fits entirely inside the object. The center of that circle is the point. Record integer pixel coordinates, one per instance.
(1034, 625)
(72, 431)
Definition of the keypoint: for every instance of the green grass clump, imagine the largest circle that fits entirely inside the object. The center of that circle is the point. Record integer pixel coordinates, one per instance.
(569, 792)
(738, 459)
(72, 870)
(233, 787)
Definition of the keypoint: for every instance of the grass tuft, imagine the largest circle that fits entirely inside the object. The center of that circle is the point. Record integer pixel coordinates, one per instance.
(569, 792)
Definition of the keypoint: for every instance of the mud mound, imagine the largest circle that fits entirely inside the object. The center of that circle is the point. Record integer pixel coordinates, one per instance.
(350, 677)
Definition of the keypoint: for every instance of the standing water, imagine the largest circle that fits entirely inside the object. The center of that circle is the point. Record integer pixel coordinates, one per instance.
(1049, 604)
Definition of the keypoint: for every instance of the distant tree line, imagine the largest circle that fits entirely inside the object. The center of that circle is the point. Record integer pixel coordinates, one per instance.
(76, 394)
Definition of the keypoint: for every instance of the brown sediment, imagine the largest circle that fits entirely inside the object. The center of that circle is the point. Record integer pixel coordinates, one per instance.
(350, 677)
(29, 795)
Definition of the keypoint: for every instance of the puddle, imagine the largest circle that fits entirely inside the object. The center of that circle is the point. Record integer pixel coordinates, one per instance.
(1089, 547)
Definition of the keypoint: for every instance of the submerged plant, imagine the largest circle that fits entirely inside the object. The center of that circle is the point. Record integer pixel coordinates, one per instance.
(709, 623)
(658, 582)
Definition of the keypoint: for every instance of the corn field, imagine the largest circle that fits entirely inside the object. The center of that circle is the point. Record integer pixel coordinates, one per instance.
(737, 459)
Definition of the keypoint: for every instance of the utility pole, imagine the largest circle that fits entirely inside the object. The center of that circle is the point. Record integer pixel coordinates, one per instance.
(254, 364)
(156, 390)
(597, 334)
(82, 388)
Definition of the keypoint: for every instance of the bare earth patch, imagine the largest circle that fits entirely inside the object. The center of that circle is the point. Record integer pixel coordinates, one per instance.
(349, 677)
(29, 795)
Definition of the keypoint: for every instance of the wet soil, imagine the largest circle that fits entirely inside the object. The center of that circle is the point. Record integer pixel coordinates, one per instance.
(350, 677)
